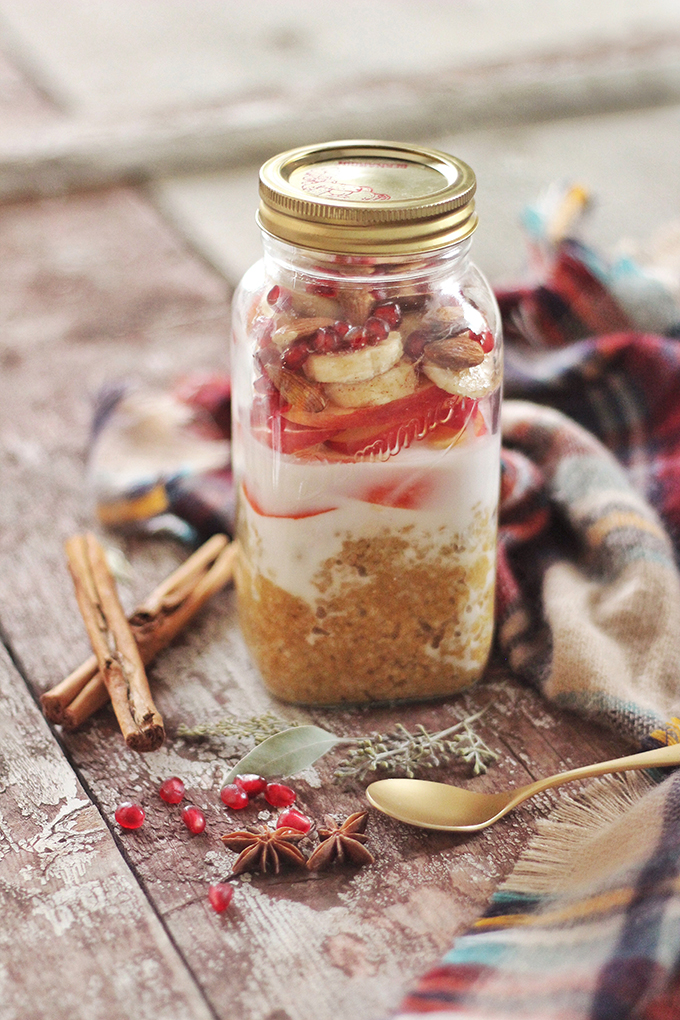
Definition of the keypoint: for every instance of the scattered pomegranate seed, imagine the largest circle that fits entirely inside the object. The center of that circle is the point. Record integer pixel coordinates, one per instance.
(341, 327)
(294, 819)
(279, 795)
(129, 815)
(193, 818)
(172, 790)
(234, 797)
(376, 329)
(251, 784)
(295, 356)
(273, 295)
(390, 312)
(220, 896)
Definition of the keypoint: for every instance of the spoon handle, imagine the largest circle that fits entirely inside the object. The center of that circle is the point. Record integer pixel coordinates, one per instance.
(659, 757)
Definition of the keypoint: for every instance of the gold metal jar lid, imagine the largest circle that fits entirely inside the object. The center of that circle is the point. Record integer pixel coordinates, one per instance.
(367, 197)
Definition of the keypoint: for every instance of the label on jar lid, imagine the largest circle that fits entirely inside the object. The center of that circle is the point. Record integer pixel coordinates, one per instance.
(367, 197)
(369, 180)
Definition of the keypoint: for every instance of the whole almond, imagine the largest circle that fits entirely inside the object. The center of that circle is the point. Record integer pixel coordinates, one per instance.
(454, 352)
(445, 321)
(296, 390)
(313, 305)
(298, 328)
(357, 305)
(452, 315)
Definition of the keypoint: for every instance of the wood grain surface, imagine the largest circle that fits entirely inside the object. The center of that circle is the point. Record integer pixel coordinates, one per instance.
(98, 922)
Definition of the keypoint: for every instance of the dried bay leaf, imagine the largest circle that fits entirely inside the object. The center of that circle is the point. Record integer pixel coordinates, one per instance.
(285, 753)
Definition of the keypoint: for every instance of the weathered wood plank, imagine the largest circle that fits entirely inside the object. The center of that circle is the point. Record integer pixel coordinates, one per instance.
(99, 288)
(75, 152)
(78, 938)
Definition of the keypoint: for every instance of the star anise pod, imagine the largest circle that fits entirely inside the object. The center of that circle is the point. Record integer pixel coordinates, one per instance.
(342, 843)
(263, 849)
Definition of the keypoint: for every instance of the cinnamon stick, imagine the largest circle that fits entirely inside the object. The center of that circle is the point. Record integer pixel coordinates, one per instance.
(154, 624)
(113, 644)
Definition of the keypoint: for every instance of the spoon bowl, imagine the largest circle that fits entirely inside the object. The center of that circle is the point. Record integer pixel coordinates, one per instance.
(441, 806)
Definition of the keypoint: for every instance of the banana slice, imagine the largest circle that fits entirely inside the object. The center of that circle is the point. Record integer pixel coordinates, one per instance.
(355, 366)
(473, 382)
(399, 381)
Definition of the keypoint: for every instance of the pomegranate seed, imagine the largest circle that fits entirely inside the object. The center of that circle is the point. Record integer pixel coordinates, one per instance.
(341, 327)
(295, 356)
(220, 896)
(279, 795)
(251, 784)
(129, 815)
(413, 349)
(390, 312)
(280, 299)
(356, 338)
(376, 329)
(325, 340)
(194, 819)
(294, 819)
(234, 797)
(172, 790)
(485, 339)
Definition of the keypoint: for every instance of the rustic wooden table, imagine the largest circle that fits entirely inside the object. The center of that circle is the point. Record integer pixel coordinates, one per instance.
(98, 922)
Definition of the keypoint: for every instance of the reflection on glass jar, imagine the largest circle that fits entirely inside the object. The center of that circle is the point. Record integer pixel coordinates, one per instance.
(367, 363)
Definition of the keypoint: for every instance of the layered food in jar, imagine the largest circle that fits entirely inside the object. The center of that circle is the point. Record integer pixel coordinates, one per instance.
(366, 403)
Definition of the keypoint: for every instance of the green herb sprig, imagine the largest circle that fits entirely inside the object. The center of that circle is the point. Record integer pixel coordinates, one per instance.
(255, 727)
(282, 748)
(408, 753)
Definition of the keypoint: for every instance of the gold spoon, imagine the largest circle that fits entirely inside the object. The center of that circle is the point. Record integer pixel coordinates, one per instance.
(440, 806)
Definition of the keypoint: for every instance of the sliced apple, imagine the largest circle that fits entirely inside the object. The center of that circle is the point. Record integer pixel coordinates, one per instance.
(293, 517)
(407, 492)
(275, 431)
(426, 398)
(387, 438)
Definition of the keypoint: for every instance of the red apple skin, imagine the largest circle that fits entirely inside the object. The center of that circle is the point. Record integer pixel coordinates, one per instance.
(392, 437)
(293, 517)
(350, 432)
(405, 494)
(268, 425)
(427, 396)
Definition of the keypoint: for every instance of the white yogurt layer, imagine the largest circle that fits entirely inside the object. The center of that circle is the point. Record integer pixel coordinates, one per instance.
(442, 492)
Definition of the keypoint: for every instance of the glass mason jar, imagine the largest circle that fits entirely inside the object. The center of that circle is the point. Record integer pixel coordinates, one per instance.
(366, 364)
